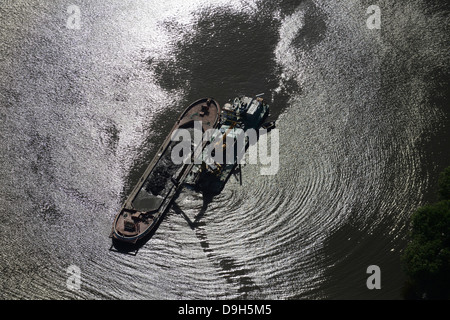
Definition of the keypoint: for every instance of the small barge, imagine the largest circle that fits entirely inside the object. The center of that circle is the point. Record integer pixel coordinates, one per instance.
(151, 197)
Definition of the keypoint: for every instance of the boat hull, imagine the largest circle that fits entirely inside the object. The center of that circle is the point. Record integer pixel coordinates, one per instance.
(148, 202)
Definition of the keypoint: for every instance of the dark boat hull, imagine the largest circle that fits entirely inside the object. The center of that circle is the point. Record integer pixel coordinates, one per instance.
(148, 202)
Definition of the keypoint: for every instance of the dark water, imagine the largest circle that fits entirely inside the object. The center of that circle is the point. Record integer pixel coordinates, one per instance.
(363, 122)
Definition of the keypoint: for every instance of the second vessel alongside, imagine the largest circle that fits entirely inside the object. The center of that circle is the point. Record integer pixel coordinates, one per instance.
(238, 117)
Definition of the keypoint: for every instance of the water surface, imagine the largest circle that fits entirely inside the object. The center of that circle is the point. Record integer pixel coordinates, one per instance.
(363, 122)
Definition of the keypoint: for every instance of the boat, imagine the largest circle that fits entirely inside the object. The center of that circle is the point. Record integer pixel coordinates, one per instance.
(237, 116)
(149, 200)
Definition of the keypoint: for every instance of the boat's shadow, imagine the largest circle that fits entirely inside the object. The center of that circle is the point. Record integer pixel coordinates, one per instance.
(207, 198)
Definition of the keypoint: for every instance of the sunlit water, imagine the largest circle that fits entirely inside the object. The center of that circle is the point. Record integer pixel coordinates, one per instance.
(361, 118)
